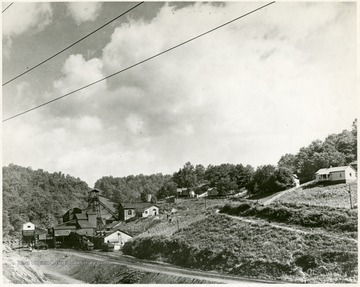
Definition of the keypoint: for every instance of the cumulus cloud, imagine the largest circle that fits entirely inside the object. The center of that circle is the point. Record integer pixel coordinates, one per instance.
(24, 17)
(84, 11)
(79, 72)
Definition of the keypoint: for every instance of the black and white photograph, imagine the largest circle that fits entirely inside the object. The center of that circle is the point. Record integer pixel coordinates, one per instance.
(179, 142)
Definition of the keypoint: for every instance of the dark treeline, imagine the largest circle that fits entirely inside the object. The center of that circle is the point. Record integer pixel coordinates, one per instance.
(38, 196)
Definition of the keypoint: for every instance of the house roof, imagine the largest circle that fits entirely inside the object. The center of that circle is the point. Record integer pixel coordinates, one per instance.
(109, 204)
(332, 169)
(103, 234)
(81, 232)
(80, 216)
(88, 210)
(67, 225)
(85, 224)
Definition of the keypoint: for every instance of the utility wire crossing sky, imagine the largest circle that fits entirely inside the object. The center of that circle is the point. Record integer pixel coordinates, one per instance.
(73, 44)
(134, 65)
(7, 7)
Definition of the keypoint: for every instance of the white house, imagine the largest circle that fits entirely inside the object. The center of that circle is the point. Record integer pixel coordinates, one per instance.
(28, 229)
(118, 238)
(138, 209)
(336, 174)
(28, 226)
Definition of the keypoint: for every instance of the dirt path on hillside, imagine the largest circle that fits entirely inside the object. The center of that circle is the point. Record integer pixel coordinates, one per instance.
(155, 267)
(270, 199)
(279, 226)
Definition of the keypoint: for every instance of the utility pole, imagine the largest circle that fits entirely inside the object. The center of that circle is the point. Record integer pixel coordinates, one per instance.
(351, 206)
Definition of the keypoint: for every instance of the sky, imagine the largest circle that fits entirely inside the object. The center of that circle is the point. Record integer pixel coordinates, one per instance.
(250, 92)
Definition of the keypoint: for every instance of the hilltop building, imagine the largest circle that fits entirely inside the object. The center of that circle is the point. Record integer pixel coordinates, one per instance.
(338, 174)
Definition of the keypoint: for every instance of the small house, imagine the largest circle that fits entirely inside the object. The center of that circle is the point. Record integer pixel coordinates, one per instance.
(137, 209)
(28, 229)
(182, 192)
(116, 237)
(338, 174)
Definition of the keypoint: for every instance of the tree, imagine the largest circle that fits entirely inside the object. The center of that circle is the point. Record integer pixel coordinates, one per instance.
(281, 179)
(354, 133)
(168, 189)
(345, 145)
(259, 182)
(200, 173)
(242, 175)
(186, 176)
(225, 185)
(288, 161)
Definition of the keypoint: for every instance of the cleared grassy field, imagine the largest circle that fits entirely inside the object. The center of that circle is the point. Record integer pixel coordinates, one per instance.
(332, 195)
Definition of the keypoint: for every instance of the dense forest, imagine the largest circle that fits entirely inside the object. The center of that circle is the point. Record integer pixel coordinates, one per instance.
(38, 196)
(43, 197)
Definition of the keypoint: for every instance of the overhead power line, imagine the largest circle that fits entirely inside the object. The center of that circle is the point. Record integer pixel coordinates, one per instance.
(138, 63)
(7, 7)
(73, 44)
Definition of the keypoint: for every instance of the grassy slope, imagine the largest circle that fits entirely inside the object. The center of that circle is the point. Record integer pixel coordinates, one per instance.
(333, 196)
(324, 218)
(255, 250)
(210, 241)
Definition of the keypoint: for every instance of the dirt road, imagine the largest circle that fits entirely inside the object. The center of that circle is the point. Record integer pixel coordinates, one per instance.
(156, 267)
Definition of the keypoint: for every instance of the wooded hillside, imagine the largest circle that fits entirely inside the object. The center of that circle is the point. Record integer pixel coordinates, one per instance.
(38, 196)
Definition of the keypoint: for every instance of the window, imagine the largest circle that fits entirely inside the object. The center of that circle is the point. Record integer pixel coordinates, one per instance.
(29, 226)
(129, 212)
(340, 174)
(146, 212)
(350, 174)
